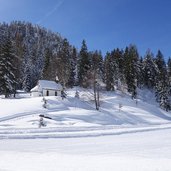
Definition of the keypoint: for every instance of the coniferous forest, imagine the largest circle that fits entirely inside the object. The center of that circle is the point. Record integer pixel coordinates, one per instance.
(29, 53)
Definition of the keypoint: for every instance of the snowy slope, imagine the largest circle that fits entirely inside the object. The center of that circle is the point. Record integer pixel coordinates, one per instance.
(78, 138)
(78, 117)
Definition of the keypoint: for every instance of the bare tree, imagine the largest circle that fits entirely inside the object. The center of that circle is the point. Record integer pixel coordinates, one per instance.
(96, 94)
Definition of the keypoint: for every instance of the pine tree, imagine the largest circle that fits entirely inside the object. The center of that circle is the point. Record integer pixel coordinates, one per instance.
(162, 84)
(169, 67)
(63, 63)
(118, 68)
(114, 70)
(162, 95)
(27, 82)
(150, 70)
(131, 58)
(7, 69)
(19, 50)
(169, 73)
(46, 69)
(140, 73)
(39, 62)
(114, 66)
(27, 70)
(73, 80)
(108, 73)
(84, 65)
(160, 62)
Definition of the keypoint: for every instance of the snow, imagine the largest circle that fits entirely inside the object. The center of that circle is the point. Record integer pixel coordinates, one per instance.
(148, 151)
(136, 137)
(36, 88)
(45, 84)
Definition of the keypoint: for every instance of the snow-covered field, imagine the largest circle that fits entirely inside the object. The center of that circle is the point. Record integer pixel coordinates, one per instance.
(136, 137)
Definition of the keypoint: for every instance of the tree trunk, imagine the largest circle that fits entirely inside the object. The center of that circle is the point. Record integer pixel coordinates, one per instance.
(96, 96)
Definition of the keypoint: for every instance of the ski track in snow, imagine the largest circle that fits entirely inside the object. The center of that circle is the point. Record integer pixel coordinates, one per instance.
(77, 132)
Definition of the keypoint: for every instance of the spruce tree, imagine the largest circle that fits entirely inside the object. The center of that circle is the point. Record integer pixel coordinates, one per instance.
(140, 73)
(108, 72)
(27, 70)
(84, 65)
(169, 73)
(46, 68)
(27, 80)
(131, 58)
(114, 67)
(7, 69)
(162, 84)
(118, 68)
(169, 67)
(150, 70)
(73, 80)
(64, 63)
(160, 62)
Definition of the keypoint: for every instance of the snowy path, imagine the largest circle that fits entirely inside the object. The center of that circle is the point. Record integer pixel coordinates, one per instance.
(146, 151)
(20, 115)
(75, 132)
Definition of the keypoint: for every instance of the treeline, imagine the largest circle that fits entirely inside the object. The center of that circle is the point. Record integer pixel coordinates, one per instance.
(29, 53)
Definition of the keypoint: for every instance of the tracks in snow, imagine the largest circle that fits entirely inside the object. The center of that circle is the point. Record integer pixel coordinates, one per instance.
(75, 132)
(69, 132)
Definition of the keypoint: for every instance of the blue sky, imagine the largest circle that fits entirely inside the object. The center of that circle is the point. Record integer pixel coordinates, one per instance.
(104, 24)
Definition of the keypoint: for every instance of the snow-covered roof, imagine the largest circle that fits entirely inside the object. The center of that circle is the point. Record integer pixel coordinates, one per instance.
(36, 88)
(45, 84)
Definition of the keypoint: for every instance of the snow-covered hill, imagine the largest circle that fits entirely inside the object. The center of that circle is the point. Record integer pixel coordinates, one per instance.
(133, 137)
(78, 117)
